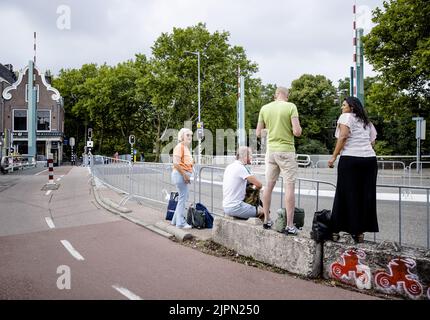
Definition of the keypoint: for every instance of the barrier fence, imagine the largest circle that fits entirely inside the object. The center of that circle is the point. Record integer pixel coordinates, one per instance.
(12, 163)
(403, 211)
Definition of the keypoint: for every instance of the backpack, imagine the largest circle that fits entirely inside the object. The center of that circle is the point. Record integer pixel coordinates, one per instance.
(281, 222)
(321, 226)
(209, 220)
(196, 218)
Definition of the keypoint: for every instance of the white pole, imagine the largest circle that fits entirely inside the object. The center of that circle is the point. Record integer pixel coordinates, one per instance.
(200, 139)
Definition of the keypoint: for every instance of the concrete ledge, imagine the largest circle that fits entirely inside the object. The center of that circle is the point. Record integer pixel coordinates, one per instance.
(115, 206)
(296, 254)
(179, 234)
(384, 267)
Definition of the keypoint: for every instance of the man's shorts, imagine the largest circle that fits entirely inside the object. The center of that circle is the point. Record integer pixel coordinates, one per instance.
(283, 163)
(243, 211)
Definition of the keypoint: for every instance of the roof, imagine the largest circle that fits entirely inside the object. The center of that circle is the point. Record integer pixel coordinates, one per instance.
(6, 74)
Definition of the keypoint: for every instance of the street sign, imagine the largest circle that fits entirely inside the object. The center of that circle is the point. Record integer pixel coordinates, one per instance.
(72, 142)
(135, 151)
(90, 144)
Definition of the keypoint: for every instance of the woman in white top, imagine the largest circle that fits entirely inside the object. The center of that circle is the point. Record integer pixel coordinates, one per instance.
(354, 206)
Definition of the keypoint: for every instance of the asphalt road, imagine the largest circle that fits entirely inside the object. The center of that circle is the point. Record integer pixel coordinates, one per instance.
(84, 252)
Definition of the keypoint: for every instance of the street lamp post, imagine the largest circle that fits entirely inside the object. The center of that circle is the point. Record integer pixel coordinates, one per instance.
(199, 126)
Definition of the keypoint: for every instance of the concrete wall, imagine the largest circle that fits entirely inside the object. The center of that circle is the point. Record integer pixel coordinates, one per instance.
(248, 238)
(383, 267)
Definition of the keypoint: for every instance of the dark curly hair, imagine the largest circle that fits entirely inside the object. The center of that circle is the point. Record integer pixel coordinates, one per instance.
(358, 109)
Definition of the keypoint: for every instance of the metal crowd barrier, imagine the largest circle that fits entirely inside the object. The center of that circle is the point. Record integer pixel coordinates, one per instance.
(11, 163)
(152, 182)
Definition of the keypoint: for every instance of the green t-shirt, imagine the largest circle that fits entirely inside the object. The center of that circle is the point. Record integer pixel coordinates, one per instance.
(276, 117)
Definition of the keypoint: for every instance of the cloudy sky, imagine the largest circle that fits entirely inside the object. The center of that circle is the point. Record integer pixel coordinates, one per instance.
(285, 38)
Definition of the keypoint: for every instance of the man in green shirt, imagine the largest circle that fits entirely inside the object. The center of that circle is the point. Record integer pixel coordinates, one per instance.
(281, 121)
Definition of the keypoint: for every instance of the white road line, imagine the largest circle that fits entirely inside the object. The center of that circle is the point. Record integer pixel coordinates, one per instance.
(48, 192)
(50, 222)
(72, 250)
(58, 179)
(36, 174)
(125, 292)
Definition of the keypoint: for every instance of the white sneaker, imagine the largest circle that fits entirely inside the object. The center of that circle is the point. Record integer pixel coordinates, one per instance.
(186, 226)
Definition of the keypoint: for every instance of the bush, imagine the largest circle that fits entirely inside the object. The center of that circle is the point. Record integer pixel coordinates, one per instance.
(311, 146)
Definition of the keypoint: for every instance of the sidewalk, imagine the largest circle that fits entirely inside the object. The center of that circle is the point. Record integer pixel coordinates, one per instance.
(145, 213)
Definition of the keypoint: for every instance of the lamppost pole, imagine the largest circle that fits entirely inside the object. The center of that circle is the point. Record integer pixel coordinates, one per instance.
(199, 135)
(199, 124)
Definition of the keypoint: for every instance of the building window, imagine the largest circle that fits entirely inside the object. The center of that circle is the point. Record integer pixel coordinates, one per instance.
(19, 120)
(43, 120)
(26, 92)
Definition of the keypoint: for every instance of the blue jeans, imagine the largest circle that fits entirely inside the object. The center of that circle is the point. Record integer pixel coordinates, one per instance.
(179, 215)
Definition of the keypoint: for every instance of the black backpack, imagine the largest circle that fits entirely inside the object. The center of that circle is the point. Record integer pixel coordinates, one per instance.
(196, 218)
(321, 226)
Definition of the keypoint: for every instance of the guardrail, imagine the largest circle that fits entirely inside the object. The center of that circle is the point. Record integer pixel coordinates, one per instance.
(12, 163)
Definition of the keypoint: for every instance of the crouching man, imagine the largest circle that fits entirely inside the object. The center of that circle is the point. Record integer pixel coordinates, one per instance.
(236, 177)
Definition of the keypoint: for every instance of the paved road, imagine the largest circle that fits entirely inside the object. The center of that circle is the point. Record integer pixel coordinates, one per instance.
(110, 258)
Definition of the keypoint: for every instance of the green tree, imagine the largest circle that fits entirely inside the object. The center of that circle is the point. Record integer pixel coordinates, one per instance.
(399, 48)
(315, 97)
(172, 80)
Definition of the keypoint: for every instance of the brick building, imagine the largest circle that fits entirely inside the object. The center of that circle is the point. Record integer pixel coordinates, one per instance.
(14, 114)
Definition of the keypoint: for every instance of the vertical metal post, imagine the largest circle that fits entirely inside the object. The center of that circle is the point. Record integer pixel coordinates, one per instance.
(400, 215)
(300, 181)
(212, 189)
(428, 221)
(318, 192)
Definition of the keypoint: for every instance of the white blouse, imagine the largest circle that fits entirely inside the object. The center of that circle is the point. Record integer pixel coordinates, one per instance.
(359, 140)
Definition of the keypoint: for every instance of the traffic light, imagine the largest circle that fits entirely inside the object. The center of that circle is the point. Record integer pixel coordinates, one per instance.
(90, 133)
(132, 139)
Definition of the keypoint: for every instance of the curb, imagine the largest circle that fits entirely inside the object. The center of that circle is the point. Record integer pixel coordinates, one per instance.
(112, 209)
(179, 234)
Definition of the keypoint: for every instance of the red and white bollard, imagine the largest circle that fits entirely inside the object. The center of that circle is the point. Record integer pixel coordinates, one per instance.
(51, 171)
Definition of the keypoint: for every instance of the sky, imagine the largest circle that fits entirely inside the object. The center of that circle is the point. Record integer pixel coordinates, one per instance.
(285, 38)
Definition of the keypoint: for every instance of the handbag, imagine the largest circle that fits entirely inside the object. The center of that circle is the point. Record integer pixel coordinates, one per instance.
(252, 195)
(171, 206)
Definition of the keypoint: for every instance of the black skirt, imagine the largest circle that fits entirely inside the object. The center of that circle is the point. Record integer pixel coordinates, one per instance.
(354, 206)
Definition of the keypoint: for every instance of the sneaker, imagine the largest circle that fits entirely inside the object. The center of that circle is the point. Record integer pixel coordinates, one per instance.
(186, 226)
(291, 231)
(268, 225)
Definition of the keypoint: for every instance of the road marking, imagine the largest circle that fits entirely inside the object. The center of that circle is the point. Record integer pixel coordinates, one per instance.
(125, 292)
(72, 250)
(50, 223)
(48, 192)
(36, 174)
(58, 179)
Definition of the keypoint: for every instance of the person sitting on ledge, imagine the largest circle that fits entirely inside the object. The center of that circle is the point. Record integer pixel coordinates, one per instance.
(236, 177)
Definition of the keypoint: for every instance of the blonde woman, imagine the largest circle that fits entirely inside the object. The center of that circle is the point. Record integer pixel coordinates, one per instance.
(181, 174)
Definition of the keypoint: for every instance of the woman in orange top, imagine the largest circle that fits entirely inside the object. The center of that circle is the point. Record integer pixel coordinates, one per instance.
(182, 171)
